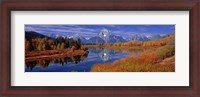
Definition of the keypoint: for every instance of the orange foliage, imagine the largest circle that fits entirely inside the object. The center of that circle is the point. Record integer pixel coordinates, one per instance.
(146, 61)
(54, 53)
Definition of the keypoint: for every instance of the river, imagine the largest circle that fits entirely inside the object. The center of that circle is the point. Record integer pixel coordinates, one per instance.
(76, 63)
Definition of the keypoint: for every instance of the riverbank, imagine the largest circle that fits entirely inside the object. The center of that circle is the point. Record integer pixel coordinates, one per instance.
(54, 53)
(148, 61)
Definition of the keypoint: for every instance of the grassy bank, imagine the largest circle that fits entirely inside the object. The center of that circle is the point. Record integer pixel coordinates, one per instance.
(55, 53)
(148, 61)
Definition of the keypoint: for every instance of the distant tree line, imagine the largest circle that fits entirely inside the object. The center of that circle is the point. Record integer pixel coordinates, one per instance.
(41, 44)
(168, 40)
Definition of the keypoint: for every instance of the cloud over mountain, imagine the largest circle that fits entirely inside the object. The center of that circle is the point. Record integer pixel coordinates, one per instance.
(88, 31)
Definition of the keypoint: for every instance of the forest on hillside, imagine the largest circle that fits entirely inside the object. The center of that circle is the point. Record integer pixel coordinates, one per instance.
(42, 44)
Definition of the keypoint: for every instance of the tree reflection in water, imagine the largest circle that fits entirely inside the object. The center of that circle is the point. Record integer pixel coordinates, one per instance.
(31, 64)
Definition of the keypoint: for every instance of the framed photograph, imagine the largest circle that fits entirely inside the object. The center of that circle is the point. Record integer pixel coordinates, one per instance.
(134, 48)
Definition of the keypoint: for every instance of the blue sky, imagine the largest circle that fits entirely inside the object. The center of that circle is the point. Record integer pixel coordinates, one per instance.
(88, 31)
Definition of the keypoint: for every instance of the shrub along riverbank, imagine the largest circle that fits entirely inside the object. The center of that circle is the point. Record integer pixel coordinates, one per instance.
(147, 61)
(56, 53)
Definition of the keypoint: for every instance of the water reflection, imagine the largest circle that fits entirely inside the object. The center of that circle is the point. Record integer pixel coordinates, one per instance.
(104, 54)
(76, 63)
(43, 63)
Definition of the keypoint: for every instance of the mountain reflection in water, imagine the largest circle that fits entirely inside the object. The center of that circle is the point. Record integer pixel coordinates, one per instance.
(104, 54)
(30, 64)
(75, 63)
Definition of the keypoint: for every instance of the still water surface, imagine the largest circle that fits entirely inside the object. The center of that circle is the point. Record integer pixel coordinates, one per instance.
(76, 63)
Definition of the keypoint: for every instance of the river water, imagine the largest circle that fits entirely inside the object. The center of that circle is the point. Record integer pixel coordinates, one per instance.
(76, 63)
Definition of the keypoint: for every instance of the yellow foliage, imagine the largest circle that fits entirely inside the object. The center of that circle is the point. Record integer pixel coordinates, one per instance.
(147, 61)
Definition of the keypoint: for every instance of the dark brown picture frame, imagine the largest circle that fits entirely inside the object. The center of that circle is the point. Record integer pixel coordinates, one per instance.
(193, 90)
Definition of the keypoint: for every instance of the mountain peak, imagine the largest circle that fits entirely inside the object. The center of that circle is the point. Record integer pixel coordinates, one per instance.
(104, 33)
(58, 35)
(78, 36)
(155, 37)
(104, 30)
(106, 36)
(139, 37)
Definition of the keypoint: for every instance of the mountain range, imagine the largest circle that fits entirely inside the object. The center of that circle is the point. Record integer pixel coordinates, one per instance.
(77, 36)
(139, 37)
(103, 36)
(155, 37)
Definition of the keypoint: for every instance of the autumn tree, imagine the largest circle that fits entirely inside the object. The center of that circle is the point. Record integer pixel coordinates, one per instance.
(41, 44)
(62, 46)
(28, 46)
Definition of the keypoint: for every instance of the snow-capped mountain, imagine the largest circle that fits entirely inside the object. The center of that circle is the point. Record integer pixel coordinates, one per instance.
(55, 36)
(114, 38)
(128, 38)
(77, 36)
(107, 37)
(155, 37)
(139, 37)
(51, 35)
